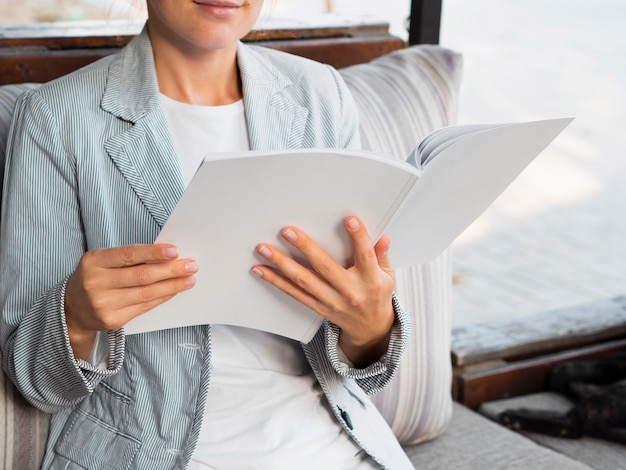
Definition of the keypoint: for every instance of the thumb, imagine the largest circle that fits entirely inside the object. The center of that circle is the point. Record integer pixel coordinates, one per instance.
(382, 254)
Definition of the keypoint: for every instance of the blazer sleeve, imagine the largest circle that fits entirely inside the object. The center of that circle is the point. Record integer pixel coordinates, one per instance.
(41, 242)
(376, 376)
(348, 126)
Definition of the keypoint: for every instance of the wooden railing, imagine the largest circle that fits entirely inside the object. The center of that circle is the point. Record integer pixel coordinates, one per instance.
(43, 51)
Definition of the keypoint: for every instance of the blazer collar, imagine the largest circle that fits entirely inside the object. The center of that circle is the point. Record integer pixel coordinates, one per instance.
(275, 119)
(132, 90)
(145, 153)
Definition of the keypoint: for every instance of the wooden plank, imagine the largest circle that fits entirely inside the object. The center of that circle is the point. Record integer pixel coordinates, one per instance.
(37, 64)
(66, 35)
(540, 334)
(474, 387)
(85, 34)
(340, 52)
(40, 52)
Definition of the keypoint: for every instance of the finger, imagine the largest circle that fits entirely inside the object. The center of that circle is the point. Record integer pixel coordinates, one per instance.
(304, 278)
(118, 318)
(118, 307)
(321, 262)
(131, 255)
(149, 273)
(140, 295)
(290, 288)
(145, 307)
(382, 254)
(364, 254)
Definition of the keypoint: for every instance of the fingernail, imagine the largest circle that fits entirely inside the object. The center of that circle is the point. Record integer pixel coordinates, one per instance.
(290, 235)
(257, 272)
(170, 252)
(190, 281)
(353, 224)
(264, 251)
(191, 267)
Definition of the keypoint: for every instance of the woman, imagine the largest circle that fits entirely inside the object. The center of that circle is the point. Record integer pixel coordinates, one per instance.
(96, 163)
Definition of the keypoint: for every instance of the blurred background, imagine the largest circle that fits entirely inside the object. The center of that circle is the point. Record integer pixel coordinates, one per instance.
(556, 237)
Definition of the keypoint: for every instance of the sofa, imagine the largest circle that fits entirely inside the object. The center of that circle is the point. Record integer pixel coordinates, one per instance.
(401, 97)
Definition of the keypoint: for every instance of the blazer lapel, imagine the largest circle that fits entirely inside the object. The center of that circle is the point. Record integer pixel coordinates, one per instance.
(149, 163)
(144, 152)
(275, 120)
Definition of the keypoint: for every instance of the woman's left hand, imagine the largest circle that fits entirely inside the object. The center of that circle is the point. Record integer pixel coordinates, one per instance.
(358, 299)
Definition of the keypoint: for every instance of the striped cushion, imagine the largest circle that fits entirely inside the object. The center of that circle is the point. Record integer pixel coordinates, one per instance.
(401, 97)
(23, 430)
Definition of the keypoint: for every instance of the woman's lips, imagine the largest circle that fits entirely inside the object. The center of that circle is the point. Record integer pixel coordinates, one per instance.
(218, 9)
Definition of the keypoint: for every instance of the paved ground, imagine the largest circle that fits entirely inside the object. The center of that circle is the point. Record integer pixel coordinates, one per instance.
(557, 236)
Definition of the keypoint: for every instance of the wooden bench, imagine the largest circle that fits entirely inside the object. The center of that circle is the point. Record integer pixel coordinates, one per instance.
(513, 358)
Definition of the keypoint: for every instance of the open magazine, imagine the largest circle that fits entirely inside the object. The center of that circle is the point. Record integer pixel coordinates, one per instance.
(236, 201)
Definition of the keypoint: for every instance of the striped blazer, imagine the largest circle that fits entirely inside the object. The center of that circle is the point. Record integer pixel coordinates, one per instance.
(90, 164)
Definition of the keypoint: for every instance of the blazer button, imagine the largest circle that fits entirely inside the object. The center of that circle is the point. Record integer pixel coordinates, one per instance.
(346, 418)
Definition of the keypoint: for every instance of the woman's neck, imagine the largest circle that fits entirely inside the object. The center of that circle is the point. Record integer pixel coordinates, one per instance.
(209, 78)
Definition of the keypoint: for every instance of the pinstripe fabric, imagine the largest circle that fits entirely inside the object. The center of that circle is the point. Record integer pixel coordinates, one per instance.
(23, 429)
(90, 159)
(8, 96)
(401, 97)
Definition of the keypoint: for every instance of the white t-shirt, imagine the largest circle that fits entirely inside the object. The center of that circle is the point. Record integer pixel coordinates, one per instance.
(264, 407)
(199, 130)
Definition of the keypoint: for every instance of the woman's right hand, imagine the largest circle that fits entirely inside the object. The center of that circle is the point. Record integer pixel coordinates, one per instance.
(111, 286)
